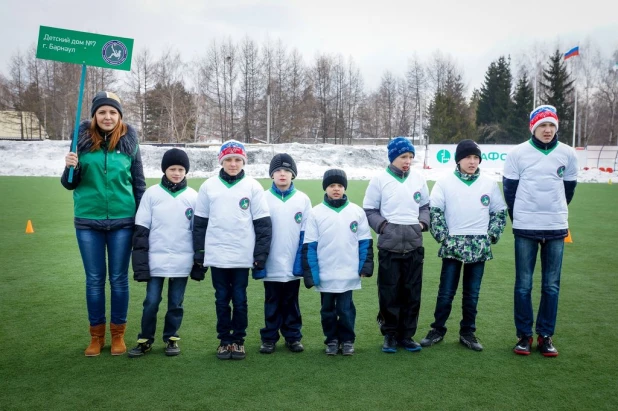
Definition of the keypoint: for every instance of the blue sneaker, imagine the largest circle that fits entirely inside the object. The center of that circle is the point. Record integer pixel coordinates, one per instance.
(390, 344)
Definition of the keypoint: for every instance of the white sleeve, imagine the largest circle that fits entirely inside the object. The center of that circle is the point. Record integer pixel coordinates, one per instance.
(510, 165)
(311, 228)
(306, 212)
(143, 216)
(259, 204)
(497, 201)
(372, 195)
(364, 232)
(437, 196)
(202, 205)
(570, 173)
(424, 194)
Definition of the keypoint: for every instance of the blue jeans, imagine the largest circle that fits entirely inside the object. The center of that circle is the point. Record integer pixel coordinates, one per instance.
(230, 284)
(551, 265)
(449, 280)
(338, 316)
(173, 318)
(281, 311)
(92, 246)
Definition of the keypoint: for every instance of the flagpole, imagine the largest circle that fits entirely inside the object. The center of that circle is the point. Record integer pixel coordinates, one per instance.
(569, 54)
(575, 116)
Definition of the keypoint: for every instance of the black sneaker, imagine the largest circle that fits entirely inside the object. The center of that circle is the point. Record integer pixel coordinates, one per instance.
(332, 347)
(268, 347)
(410, 345)
(470, 341)
(171, 347)
(433, 337)
(238, 351)
(142, 347)
(347, 348)
(546, 346)
(295, 346)
(224, 351)
(390, 344)
(523, 346)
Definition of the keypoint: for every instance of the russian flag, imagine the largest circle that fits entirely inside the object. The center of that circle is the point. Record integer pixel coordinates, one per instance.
(571, 53)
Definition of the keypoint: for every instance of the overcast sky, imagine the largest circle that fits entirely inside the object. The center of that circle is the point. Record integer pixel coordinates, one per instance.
(379, 34)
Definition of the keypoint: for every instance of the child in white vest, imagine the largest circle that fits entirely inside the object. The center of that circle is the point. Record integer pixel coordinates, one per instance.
(468, 214)
(337, 252)
(288, 211)
(231, 235)
(163, 248)
(397, 207)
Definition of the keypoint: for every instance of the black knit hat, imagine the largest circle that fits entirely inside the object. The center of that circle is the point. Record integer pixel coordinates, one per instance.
(105, 98)
(282, 161)
(466, 148)
(334, 176)
(175, 157)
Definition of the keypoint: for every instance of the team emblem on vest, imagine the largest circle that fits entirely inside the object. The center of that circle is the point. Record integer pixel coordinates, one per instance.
(417, 197)
(485, 200)
(244, 203)
(354, 226)
(189, 213)
(298, 217)
(560, 171)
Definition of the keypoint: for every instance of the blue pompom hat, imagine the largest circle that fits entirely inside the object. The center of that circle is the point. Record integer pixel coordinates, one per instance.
(399, 146)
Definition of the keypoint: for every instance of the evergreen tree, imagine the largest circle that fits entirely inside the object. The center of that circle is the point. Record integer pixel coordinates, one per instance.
(519, 118)
(449, 115)
(492, 114)
(558, 92)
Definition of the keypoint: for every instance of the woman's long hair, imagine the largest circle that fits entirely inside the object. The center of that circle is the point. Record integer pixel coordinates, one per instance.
(113, 136)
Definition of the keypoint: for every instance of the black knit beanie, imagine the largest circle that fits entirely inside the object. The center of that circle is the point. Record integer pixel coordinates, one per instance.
(175, 157)
(466, 148)
(335, 176)
(282, 161)
(105, 98)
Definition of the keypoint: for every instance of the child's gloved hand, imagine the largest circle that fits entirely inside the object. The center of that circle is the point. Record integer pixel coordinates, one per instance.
(198, 272)
(308, 280)
(259, 265)
(141, 276)
(258, 274)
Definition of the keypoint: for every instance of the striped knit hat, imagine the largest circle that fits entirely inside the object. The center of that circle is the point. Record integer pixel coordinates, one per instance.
(232, 148)
(543, 114)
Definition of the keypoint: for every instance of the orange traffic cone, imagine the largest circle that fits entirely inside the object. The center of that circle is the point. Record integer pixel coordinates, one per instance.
(29, 229)
(568, 238)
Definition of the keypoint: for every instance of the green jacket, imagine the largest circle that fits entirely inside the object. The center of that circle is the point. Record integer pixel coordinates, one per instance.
(108, 185)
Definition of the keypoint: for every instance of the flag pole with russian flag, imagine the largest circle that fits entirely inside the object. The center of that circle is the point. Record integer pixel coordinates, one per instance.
(572, 53)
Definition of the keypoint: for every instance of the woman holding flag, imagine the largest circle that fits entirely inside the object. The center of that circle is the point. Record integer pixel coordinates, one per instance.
(108, 183)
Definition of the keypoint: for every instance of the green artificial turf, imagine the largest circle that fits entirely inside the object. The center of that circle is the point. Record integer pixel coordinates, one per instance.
(44, 330)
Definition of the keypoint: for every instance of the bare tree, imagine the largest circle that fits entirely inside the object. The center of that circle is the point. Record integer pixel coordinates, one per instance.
(139, 82)
(322, 74)
(248, 94)
(417, 87)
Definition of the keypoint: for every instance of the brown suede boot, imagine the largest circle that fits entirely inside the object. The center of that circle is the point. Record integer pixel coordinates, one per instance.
(97, 340)
(118, 345)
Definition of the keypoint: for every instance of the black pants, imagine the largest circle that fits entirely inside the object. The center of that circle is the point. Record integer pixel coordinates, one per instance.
(281, 312)
(338, 315)
(400, 279)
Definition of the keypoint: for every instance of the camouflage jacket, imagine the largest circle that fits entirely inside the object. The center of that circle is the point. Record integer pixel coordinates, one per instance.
(466, 248)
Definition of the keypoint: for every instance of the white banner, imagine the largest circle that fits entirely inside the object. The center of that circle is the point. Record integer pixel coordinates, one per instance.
(443, 155)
